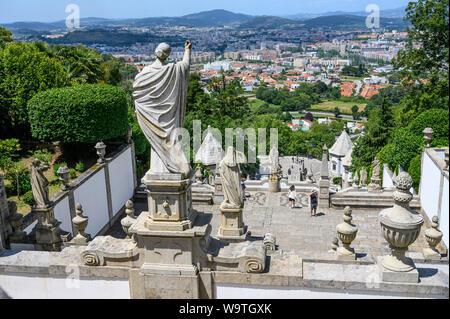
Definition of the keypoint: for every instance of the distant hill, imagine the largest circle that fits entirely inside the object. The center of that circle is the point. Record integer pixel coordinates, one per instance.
(213, 18)
(268, 22)
(346, 21)
(113, 38)
(216, 18)
(389, 13)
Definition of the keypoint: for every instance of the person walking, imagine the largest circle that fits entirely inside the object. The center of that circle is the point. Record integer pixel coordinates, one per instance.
(243, 187)
(313, 202)
(292, 196)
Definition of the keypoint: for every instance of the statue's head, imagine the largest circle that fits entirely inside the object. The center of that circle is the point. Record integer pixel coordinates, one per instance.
(163, 51)
(36, 162)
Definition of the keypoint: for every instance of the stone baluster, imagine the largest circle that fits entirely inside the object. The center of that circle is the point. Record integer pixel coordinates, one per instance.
(400, 226)
(129, 220)
(433, 236)
(347, 233)
(428, 136)
(80, 223)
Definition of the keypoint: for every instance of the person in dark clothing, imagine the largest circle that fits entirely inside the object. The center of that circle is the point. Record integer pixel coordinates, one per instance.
(314, 201)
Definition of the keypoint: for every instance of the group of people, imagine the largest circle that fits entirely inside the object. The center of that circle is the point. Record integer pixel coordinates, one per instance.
(313, 199)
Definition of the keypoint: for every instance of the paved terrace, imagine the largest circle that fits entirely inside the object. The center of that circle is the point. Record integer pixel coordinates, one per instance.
(296, 231)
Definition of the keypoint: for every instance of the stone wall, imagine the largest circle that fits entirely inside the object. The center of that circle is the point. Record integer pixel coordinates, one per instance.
(62, 275)
(4, 226)
(434, 189)
(102, 190)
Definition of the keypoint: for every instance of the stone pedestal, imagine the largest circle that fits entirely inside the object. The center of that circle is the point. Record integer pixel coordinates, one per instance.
(388, 275)
(274, 186)
(48, 233)
(324, 193)
(218, 191)
(173, 238)
(232, 228)
(169, 202)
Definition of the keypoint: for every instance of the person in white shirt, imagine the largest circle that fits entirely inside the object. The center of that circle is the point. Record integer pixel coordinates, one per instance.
(292, 196)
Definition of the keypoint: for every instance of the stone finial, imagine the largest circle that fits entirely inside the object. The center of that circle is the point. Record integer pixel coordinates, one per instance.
(15, 220)
(63, 174)
(80, 223)
(433, 236)
(347, 233)
(270, 241)
(428, 136)
(446, 160)
(101, 152)
(400, 226)
(129, 220)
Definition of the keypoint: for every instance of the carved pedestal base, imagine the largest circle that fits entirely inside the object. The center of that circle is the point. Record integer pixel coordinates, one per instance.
(169, 202)
(232, 228)
(375, 185)
(48, 233)
(430, 253)
(218, 191)
(274, 186)
(387, 275)
(345, 253)
(324, 193)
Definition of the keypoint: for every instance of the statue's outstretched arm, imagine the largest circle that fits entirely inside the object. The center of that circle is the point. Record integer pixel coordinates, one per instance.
(187, 53)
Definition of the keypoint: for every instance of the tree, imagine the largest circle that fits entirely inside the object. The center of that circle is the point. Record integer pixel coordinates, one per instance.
(5, 36)
(83, 65)
(337, 112)
(424, 62)
(24, 71)
(355, 112)
(309, 117)
(379, 131)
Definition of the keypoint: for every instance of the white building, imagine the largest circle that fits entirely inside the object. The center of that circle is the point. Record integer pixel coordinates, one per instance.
(340, 149)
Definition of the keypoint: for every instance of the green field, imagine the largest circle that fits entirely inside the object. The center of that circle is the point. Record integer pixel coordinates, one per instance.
(344, 107)
(255, 103)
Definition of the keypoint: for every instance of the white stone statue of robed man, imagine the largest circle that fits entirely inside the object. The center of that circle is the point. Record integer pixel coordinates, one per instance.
(230, 174)
(160, 99)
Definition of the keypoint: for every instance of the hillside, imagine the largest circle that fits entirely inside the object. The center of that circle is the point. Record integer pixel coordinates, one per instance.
(269, 22)
(346, 21)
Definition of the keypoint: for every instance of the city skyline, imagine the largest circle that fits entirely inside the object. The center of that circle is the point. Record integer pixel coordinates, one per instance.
(54, 10)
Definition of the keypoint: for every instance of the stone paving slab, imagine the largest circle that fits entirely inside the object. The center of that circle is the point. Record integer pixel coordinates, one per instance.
(295, 229)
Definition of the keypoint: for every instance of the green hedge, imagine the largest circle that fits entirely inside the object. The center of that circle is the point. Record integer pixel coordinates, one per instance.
(82, 113)
(415, 172)
(438, 120)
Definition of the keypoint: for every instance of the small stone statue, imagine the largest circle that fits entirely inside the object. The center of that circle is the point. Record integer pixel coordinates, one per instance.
(198, 175)
(376, 169)
(363, 178)
(231, 181)
(39, 184)
(211, 178)
(15, 220)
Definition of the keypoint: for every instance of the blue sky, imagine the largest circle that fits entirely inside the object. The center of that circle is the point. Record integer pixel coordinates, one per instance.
(53, 10)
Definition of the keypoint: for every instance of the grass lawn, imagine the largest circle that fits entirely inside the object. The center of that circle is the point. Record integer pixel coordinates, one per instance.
(255, 103)
(344, 107)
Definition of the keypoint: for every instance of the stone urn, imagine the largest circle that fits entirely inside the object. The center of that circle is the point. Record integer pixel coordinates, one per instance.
(80, 222)
(346, 233)
(400, 226)
(433, 236)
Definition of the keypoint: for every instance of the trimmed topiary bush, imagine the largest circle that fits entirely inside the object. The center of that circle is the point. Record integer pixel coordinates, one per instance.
(82, 113)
